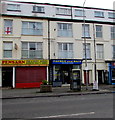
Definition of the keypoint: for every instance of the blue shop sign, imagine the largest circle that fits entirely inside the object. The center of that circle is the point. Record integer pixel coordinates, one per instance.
(73, 61)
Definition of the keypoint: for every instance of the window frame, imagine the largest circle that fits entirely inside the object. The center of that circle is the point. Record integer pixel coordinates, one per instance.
(35, 9)
(99, 14)
(32, 29)
(7, 50)
(82, 13)
(9, 27)
(63, 11)
(84, 35)
(63, 32)
(100, 52)
(99, 31)
(66, 52)
(111, 15)
(112, 32)
(29, 50)
(113, 49)
(88, 50)
(15, 7)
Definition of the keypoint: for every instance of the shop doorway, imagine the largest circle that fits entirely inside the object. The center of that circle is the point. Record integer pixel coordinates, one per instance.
(101, 79)
(86, 77)
(66, 74)
(7, 76)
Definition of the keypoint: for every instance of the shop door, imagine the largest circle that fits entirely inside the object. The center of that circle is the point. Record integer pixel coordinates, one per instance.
(100, 76)
(86, 77)
(66, 72)
(7, 76)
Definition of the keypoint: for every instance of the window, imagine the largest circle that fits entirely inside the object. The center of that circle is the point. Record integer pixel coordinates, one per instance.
(98, 31)
(32, 28)
(100, 51)
(99, 14)
(13, 7)
(113, 33)
(113, 51)
(7, 26)
(38, 9)
(111, 15)
(65, 50)
(88, 52)
(7, 49)
(85, 30)
(79, 13)
(32, 50)
(63, 11)
(64, 30)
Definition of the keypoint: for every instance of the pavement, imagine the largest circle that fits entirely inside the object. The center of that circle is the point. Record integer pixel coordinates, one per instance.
(8, 93)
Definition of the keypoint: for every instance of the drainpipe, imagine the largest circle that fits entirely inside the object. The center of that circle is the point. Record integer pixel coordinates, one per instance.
(49, 51)
(95, 83)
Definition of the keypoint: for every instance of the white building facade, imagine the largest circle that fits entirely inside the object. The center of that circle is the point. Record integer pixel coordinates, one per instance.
(34, 36)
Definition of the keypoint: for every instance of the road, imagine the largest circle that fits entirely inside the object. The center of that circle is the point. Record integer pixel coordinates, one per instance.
(80, 106)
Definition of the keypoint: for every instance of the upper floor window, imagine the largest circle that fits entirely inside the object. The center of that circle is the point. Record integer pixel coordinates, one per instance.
(99, 31)
(63, 11)
(113, 33)
(99, 14)
(65, 50)
(7, 26)
(86, 50)
(79, 13)
(111, 15)
(64, 29)
(38, 9)
(100, 51)
(113, 51)
(7, 49)
(32, 28)
(85, 30)
(13, 7)
(32, 50)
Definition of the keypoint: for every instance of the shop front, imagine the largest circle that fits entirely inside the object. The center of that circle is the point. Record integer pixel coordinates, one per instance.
(23, 73)
(63, 71)
(111, 73)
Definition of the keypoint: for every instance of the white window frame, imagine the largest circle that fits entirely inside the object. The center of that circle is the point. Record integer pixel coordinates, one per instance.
(99, 14)
(65, 50)
(111, 15)
(65, 30)
(88, 50)
(79, 13)
(7, 49)
(113, 48)
(38, 9)
(32, 28)
(8, 27)
(27, 50)
(63, 11)
(100, 51)
(113, 33)
(86, 30)
(99, 31)
(13, 7)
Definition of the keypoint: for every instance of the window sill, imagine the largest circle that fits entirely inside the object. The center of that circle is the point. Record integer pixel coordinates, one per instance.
(99, 17)
(30, 35)
(38, 12)
(87, 37)
(14, 10)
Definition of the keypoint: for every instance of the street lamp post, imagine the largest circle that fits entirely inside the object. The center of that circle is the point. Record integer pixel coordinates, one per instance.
(85, 44)
(95, 84)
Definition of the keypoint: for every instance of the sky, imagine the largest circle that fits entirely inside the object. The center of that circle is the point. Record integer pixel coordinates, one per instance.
(106, 4)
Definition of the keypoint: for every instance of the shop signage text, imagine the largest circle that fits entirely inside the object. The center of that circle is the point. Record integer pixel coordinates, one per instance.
(24, 62)
(66, 61)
